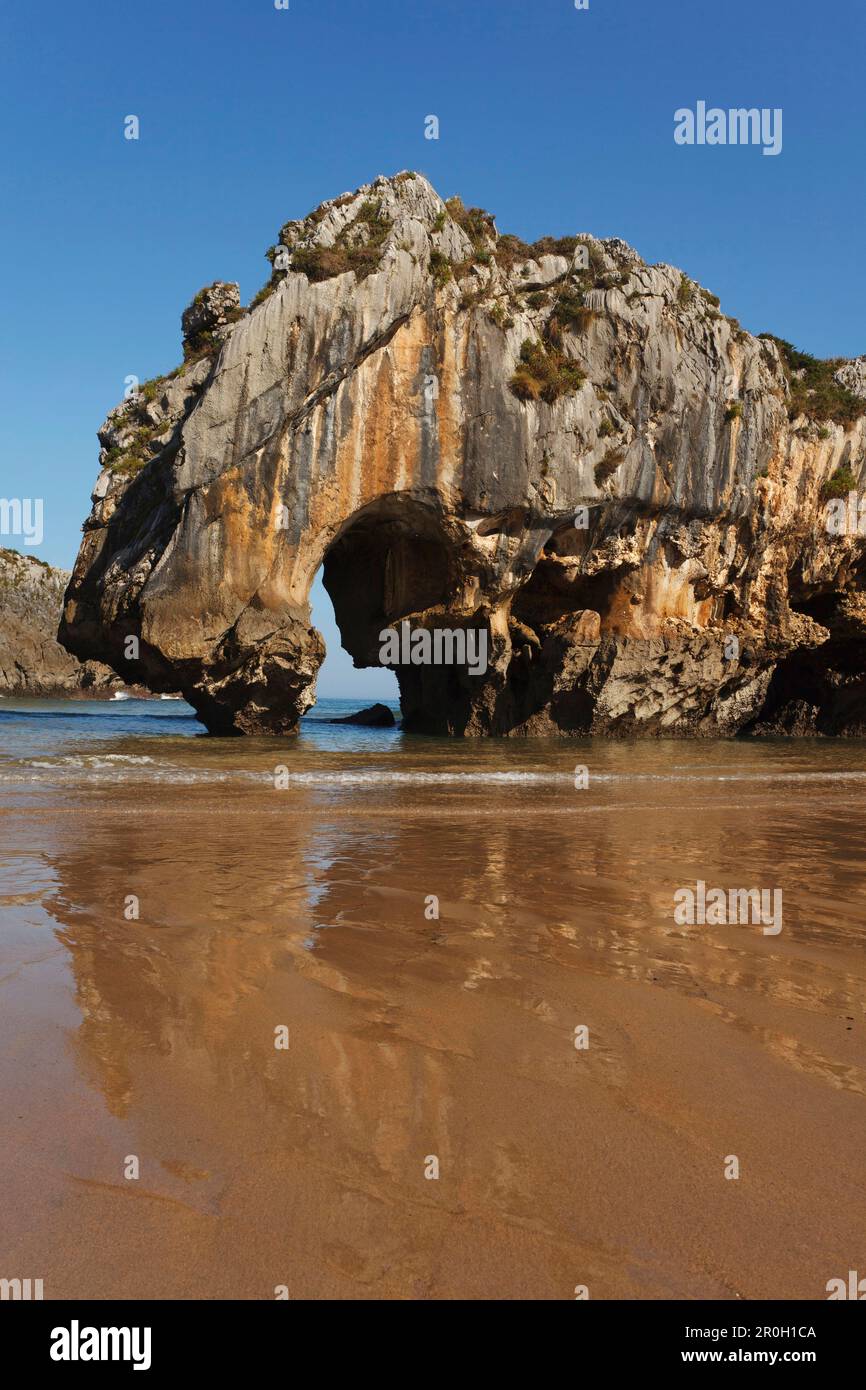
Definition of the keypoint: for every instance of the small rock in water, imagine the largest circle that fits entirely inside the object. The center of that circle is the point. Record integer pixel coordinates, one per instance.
(375, 717)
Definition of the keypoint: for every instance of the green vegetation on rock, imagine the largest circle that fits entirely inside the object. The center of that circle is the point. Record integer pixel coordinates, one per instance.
(812, 388)
(570, 311)
(544, 373)
(478, 224)
(839, 484)
(440, 267)
(358, 247)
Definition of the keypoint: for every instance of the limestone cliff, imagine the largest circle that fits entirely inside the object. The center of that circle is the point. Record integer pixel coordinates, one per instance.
(557, 445)
(32, 662)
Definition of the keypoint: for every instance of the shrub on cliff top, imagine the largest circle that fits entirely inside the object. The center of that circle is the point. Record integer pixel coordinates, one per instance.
(477, 223)
(510, 251)
(554, 246)
(321, 262)
(596, 275)
(684, 291)
(813, 389)
(200, 295)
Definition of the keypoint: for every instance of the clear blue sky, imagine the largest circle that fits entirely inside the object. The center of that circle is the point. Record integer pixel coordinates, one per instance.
(557, 120)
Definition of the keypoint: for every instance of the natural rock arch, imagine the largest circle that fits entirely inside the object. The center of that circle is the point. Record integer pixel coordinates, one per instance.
(419, 400)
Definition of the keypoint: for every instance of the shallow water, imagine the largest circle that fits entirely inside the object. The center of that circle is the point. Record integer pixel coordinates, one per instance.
(289, 883)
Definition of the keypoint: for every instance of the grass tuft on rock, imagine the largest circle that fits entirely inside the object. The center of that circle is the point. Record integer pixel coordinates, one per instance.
(544, 373)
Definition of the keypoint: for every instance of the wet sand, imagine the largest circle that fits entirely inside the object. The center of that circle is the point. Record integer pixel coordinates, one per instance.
(412, 1037)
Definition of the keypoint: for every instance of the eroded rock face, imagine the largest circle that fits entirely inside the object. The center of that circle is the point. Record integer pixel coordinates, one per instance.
(32, 662)
(558, 446)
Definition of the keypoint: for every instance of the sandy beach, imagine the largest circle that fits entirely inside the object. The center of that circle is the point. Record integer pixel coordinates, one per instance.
(412, 1037)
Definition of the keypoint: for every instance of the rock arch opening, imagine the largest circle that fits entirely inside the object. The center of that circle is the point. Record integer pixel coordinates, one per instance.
(397, 563)
(339, 678)
(390, 561)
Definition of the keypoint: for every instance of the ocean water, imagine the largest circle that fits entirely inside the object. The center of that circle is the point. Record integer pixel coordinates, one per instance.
(82, 743)
(470, 951)
(97, 742)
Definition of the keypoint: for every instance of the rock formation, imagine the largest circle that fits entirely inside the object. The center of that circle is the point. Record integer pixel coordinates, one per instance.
(32, 662)
(376, 716)
(570, 451)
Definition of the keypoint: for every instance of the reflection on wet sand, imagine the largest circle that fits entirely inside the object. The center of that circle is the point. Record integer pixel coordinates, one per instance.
(412, 1037)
